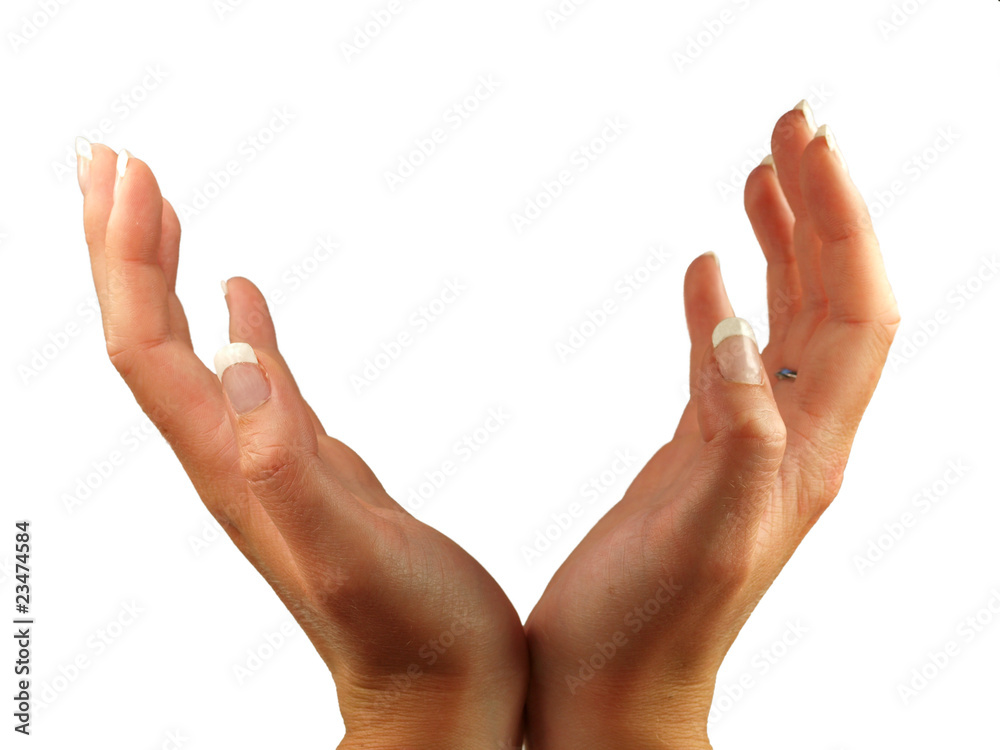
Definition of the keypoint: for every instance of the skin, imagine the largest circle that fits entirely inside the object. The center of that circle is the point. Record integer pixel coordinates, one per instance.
(718, 511)
(425, 648)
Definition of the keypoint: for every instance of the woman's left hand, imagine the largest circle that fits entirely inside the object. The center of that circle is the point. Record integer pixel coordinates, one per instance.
(630, 633)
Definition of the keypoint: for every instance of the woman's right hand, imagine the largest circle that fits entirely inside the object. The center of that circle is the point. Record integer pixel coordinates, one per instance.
(425, 648)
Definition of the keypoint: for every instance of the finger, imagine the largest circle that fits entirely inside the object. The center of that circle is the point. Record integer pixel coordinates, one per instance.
(705, 304)
(97, 161)
(774, 224)
(843, 360)
(179, 394)
(170, 240)
(170, 243)
(792, 133)
(138, 313)
(853, 273)
(250, 322)
(733, 477)
(324, 525)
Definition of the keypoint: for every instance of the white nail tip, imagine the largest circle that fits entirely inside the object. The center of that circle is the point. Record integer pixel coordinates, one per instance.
(732, 327)
(233, 354)
(767, 161)
(825, 132)
(83, 148)
(225, 288)
(123, 157)
(807, 111)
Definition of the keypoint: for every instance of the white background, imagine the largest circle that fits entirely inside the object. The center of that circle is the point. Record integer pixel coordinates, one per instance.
(888, 78)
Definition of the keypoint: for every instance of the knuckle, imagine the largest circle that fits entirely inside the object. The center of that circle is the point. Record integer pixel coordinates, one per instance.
(122, 357)
(760, 433)
(271, 468)
(885, 329)
(127, 357)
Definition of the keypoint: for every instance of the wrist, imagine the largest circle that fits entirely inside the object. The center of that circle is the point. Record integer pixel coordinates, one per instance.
(456, 715)
(638, 715)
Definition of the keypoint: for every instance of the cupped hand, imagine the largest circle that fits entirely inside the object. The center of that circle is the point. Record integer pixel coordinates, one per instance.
(626, 641)
(425, 649)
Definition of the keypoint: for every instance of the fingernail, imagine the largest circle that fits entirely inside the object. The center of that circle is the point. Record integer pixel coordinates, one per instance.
(225, 288)
(714, 257)
(807, 112)
(84, 154)
(831, 142)
(768, 161)
(736, 352)
(242, 377)
(123, 157)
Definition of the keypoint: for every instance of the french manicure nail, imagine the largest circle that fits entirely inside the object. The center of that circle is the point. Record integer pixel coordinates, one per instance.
(768, 161)
(242, 377)
(123, 157)
(225, 288)
(715, 258)
(84, 155)
(736, 352)
(807, 112)
(827, 134)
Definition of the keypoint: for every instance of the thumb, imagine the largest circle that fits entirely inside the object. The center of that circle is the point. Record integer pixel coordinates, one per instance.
(744, 441)
(278, 457)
